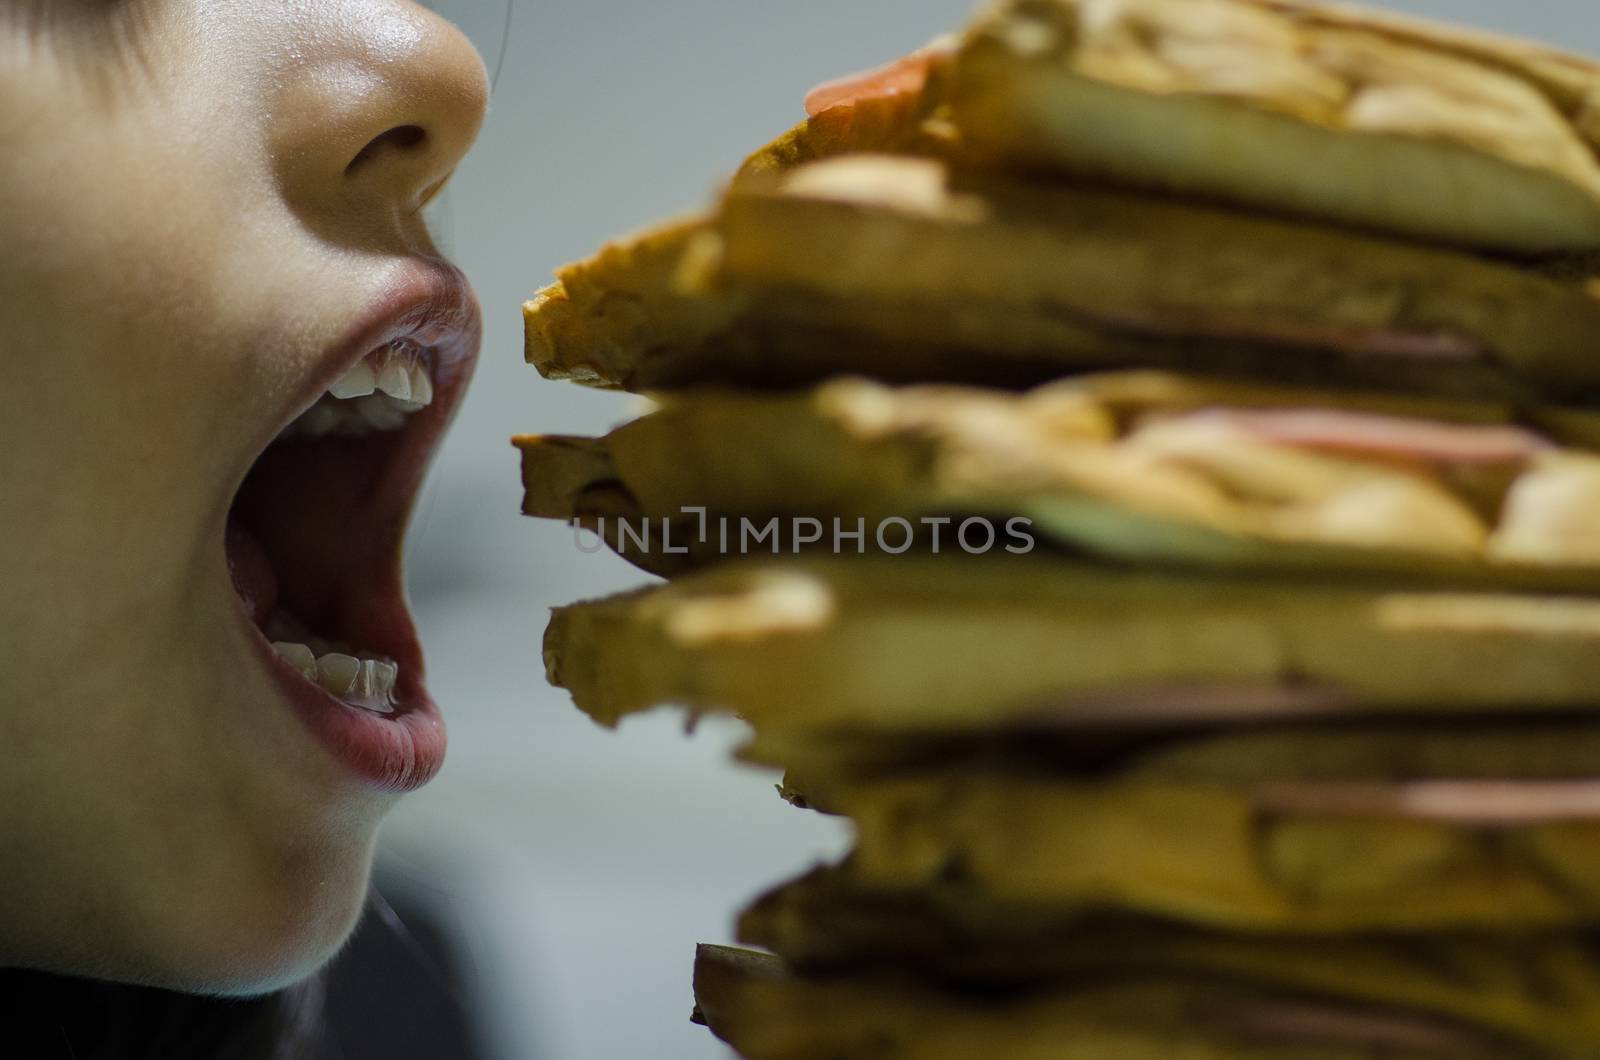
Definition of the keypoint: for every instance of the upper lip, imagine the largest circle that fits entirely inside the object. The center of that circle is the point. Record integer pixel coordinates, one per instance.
(430, 303)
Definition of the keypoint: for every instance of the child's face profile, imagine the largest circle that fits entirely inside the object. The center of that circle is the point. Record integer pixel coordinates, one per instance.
(210, 215)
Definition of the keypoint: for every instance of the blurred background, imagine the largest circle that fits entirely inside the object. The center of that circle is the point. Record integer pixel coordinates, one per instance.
(574, 869)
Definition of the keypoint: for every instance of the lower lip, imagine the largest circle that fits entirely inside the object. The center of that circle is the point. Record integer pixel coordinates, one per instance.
(396, 752)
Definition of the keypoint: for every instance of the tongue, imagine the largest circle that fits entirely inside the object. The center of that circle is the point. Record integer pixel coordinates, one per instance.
(253, 577)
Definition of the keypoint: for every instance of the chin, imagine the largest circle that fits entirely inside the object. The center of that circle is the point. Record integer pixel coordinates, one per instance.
(257, 934)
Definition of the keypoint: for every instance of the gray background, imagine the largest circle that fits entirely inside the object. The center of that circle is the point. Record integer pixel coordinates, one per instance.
(584, 865)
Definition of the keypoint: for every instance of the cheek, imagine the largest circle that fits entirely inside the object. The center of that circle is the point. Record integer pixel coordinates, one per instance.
(130, 279)
(125, 356)
(138, 378)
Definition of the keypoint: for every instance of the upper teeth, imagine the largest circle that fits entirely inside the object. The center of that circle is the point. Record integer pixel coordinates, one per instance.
(357, 382)
(421, 385)
(377, 393)
(395, 379)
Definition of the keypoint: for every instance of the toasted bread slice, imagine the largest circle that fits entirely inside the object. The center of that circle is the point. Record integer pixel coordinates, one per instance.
(905, 270)
(588, 325)
(753, 1003)
(1137, 466)
(962, 643)
(1267, 808)
(827, 924)
(1275, 856)
(1335, 113)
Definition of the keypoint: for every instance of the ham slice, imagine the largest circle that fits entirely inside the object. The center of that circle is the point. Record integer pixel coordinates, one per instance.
(1330, 1024)
(1371, 434)
(906, 74)
(1484, 803)
(1191, 703)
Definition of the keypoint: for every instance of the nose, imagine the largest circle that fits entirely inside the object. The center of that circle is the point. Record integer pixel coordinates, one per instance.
(379, 102)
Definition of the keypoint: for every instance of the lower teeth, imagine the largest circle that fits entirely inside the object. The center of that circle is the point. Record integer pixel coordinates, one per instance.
(366, 681)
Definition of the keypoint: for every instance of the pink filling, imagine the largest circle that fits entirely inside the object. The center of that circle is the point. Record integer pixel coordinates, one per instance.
(1372, 434)
(1486, 803)
(907, 74)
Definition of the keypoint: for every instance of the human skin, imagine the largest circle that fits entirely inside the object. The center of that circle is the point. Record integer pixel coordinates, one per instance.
(187, 253)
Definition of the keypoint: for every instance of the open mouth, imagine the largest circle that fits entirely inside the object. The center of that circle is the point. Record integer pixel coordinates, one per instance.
(315, 534)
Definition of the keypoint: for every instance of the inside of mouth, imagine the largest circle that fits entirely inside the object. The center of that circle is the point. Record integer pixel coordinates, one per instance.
(314, 534)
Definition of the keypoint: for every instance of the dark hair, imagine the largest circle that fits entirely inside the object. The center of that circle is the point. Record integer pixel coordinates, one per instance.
(56, 1017)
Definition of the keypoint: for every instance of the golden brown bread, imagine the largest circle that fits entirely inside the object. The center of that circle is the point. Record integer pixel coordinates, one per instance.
(1327, 112)
(904, 269)
(750, 1001)
(1460, 823)
(1325, 858)
(965, 643)
(827, 924)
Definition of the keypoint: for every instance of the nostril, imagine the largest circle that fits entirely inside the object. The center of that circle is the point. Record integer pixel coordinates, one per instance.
(402, 138)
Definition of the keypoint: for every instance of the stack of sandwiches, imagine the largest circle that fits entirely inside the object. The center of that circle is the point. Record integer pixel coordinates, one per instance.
(1139, 461)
